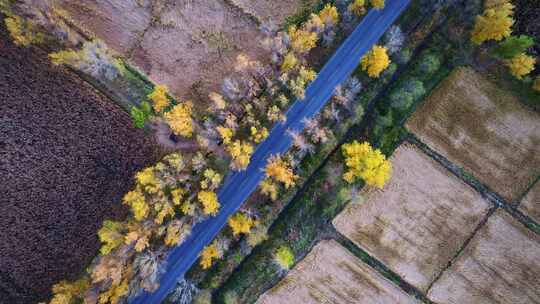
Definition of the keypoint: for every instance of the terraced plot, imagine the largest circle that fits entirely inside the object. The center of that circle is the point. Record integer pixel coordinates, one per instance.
(483, 129)
(331, 274)
(500, 265)
(418, 222)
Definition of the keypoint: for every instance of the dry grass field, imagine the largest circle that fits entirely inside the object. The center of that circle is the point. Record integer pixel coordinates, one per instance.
(188, 45)
(269, 11)
(418, 222)
(531, 203)
(483, 129)
(500, 265)
(332, 275)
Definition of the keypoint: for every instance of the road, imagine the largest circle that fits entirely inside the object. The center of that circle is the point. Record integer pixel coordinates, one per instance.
(239, 185)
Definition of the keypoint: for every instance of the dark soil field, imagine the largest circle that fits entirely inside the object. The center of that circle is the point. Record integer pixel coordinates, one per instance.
(67, 156)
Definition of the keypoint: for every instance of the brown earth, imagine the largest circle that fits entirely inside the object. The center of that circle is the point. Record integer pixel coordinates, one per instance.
(483, 129)
(418, 222)
(67, 156)
(500, 265)
(531, 203)
(190, 46)
(331, 274)
(271, 12)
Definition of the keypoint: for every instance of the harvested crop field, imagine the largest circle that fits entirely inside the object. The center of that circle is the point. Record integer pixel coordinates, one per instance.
(530, 205)
(418, 222)
(331, 274)
(190, 46)
(270, 11)
(499, 265)
(67, 156)
(483, 129)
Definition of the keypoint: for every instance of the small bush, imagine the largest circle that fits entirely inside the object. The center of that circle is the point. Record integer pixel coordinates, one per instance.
(284, 257)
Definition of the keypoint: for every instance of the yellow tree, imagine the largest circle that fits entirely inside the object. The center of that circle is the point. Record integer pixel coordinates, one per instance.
(241, 153)
(329, 15)
(159, 98)
(375, 61)
(66, 292)
(377, 4)
(180, 120)
(22, 31)
(362, 161)
(269, 188)
(521, 65)
(208, 255)
(209, 202)
(241, 223)
(358, 7)
(301, 40)
(493, 24)
(280, 170)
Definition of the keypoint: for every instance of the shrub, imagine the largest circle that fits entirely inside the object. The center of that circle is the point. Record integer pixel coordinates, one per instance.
(513, 46)
(138, 117)
(284, 257)
(521, 65)
(240, 223)
(429, 64)
(159, 98)
(203, 297)
(403, 97)
(23, 32)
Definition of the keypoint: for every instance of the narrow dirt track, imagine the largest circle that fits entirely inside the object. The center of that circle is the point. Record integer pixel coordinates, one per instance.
(67, 156)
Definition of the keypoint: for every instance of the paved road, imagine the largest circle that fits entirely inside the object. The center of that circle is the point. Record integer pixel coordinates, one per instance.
(240, 185)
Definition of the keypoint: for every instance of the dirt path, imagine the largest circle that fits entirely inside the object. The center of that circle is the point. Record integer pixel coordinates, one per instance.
(67, 156)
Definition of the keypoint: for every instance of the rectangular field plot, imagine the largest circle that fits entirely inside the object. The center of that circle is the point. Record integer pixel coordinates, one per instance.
(483, 129)
(331, 274)
(500, 265)
(418, 222)
(531, 203)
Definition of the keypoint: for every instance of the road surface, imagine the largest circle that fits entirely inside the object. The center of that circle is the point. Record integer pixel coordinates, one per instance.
(239, 185)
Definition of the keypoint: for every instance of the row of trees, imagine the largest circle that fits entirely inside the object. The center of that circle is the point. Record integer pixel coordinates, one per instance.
(496, 24)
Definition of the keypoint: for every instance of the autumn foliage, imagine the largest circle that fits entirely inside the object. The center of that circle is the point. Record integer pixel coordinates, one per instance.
(495, 23)
(521, 65)
(362, 161)
(375, 61)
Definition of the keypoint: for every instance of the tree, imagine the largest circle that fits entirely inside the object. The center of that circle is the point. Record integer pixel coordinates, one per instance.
(208, 255)
(358, 7)
(257, 236)
(22, 31)
(429, 64)
(329, 15)
(66, 292)
(364, 162)
(493, 24)
(111, 236)
(377, 4)
(521, 65)
(269, 188)
(513, 46)
(301, 41)
(284, 257)
(209, 202)
(375, 61)
(241, 223)
(279, 170)
(241, 154)
(159, 98)
(180, 120)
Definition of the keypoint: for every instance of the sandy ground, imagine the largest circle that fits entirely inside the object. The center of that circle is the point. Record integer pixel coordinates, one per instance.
(188, 45)
(500, 265)
(331, 274)
(483, 129)
(418, 222)
(67, 156)
(531, 203)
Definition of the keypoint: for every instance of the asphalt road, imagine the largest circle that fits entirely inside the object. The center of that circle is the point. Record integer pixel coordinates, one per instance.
(239, 185)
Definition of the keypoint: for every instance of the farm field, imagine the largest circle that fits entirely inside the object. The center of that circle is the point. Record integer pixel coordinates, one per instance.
(190, 46)
(530, 204)
(419, 221)
(499, 265)
(482, 129)
(331, 274)
(68, 156)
